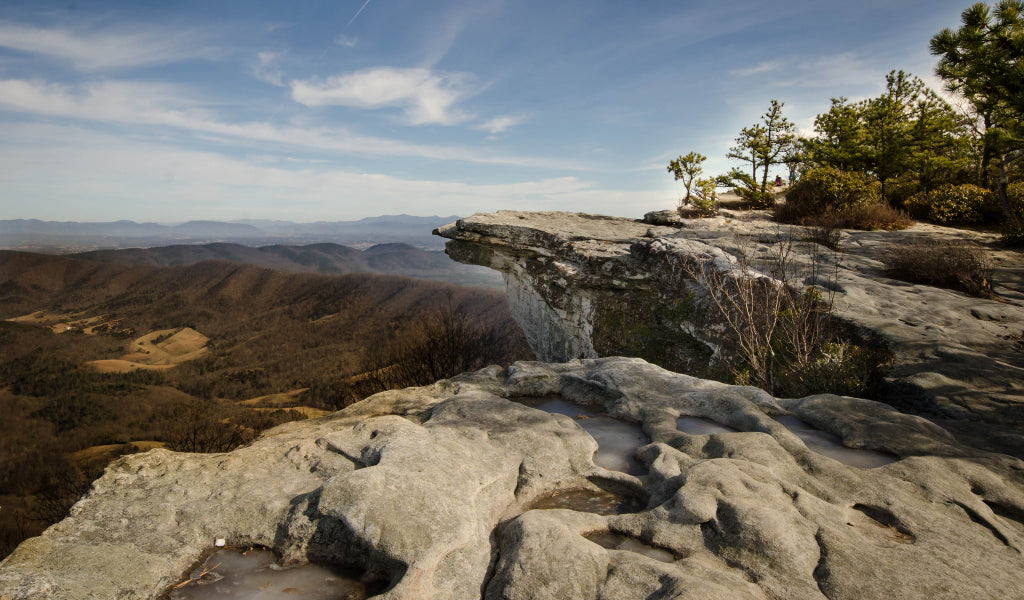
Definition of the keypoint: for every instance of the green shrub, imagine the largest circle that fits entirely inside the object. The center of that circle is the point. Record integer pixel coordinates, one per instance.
(705, 198)
(900, 190)
(839, 367)
(1013, 220)
(952, 204)
(756, 197)
(828, 188)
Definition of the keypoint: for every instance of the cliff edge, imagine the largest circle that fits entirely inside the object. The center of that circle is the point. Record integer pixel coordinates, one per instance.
(583, 286)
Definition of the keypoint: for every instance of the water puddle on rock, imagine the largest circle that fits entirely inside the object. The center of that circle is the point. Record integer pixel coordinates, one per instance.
(597, 502)
(702, 426)
(255, 575)
(615, 541)
(831, 446)
(616, 440)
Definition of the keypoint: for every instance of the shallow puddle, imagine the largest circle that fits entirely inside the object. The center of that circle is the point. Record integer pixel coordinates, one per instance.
(616, 440)
(831, 446)
(597, 502)
(255, 575)
(615, 541)
(702, 426)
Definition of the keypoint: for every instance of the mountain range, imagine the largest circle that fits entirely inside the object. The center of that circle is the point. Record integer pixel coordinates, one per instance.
(326, 258)
(69, 236)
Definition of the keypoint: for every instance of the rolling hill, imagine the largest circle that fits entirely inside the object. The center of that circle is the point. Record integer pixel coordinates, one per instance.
(99, 359)
(334, 259)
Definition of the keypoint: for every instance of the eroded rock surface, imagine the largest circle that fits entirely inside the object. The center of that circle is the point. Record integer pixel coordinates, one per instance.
(583, 286)
(430, 489)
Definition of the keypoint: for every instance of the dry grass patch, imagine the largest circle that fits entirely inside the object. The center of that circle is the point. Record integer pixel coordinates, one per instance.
(61, 323)
(284, 399)
(157, 350)
(869, 216)
(96, 457)
(948, 264)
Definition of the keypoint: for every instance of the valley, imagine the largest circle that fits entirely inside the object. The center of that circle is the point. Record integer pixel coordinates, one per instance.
(99, 359)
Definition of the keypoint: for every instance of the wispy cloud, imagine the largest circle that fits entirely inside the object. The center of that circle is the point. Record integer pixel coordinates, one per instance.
(841, 72)
(348, 41)
(144, 103)
(500, 124)
(266, 68)
(35, 158)
(107, 49)
(761, 67)
(426, 97)
(451, 26)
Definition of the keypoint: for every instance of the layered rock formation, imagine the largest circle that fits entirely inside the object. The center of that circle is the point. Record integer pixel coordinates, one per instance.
(432, 492)
(462, 490)
(583, 286)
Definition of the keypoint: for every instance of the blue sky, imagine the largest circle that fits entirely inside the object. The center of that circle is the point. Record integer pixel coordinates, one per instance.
(320, 111)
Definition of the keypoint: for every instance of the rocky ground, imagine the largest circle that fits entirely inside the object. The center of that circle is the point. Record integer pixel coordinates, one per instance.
(462, 490)
(957, 359)
(431, 491)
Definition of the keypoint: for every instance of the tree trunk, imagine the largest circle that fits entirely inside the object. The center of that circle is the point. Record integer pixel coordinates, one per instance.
(1004, 201)
(986, 153)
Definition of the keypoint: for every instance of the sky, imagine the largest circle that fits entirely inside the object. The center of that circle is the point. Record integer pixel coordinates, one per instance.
(337, 110)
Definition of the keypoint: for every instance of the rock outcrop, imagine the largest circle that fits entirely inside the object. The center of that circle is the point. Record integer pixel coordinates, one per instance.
(463, 489)
(583, 286)
(436, 491)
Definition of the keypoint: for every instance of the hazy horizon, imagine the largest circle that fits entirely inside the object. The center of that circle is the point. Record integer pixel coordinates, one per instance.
(234, 221)
(333, 111)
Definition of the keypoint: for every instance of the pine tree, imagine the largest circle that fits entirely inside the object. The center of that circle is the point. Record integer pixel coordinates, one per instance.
(984, 62)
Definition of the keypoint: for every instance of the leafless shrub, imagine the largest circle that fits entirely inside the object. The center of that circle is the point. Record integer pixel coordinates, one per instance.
(776, 314)
(873, 216)
(868, 216)
(773, 322)
(826, 232)
(953, 265)
(434, 346)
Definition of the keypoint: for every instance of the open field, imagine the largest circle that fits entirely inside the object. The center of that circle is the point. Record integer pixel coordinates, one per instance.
(63, 323)
(159, 350)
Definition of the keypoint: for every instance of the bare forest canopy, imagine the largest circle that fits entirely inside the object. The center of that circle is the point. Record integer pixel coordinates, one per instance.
(281, 346)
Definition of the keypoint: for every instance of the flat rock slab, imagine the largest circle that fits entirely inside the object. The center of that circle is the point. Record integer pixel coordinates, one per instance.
(429, 491)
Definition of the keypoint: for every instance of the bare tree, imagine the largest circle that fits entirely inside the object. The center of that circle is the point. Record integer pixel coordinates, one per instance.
(434, 346)
(776, 319)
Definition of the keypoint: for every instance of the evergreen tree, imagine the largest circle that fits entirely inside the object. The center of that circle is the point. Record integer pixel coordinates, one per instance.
(984, 62)
(840, 137)
(908, 132)
(687, 169)
(763, 145)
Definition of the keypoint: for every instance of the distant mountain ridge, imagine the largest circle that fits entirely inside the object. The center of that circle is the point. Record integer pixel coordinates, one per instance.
(71, 236)
(327, 258)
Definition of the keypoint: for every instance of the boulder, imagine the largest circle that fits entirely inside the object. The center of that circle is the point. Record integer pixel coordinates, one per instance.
(434, 492)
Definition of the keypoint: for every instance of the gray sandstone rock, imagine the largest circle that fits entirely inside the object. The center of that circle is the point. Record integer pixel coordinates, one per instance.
(670, 218)
(582, 286)
(430, 488)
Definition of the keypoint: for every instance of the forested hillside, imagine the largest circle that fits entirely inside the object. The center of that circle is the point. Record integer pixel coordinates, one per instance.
(332, 259)
(99, 359)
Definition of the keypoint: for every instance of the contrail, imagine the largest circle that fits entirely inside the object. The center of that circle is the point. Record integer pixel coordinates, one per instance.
(358, 12)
